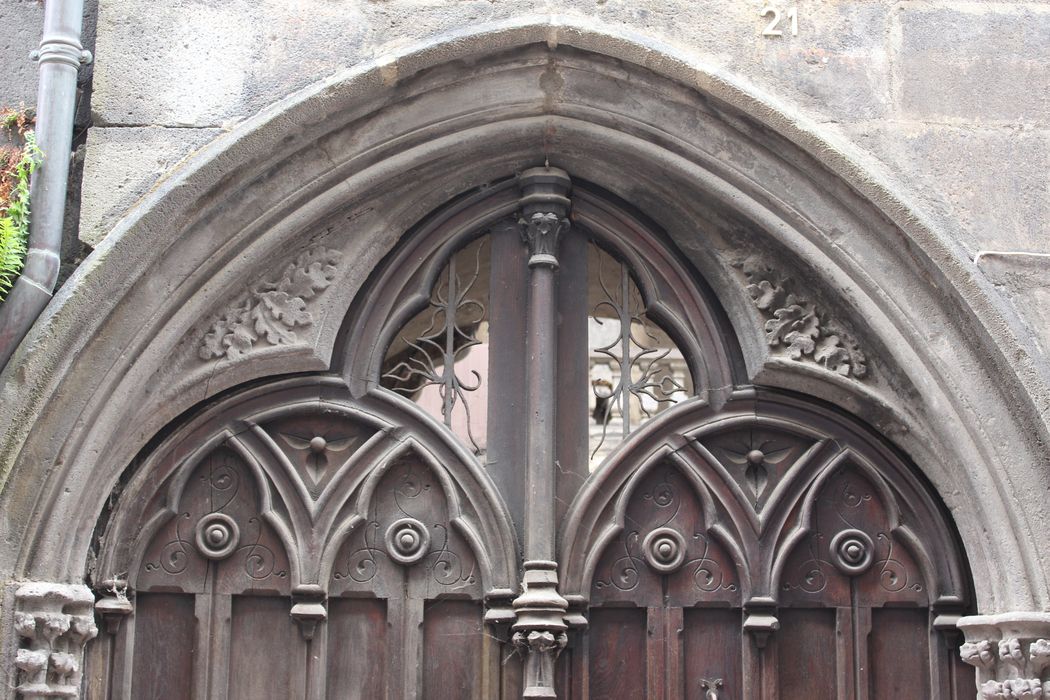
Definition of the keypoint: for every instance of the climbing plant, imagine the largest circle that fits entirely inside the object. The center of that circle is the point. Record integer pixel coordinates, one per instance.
(17, 163)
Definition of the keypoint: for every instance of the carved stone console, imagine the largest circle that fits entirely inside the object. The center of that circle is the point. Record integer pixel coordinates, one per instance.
(1011, 653)
(53, 622)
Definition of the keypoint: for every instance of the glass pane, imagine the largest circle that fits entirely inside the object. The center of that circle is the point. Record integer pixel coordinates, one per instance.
(636, 370)
(440, 358)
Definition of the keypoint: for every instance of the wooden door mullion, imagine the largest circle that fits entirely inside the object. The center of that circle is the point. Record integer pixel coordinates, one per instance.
(664, 653)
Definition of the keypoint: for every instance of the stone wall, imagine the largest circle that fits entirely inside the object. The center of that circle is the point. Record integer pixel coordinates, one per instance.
(950, 101)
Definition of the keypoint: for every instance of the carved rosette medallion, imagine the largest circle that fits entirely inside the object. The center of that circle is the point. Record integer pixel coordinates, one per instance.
(852, 552)
(407, 541)
(664, 550)
(217, 536)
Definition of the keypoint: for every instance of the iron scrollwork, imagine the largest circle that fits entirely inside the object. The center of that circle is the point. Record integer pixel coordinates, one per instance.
(633, 352)
(450, 333)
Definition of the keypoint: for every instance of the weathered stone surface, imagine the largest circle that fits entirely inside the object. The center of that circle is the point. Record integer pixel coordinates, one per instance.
(975, 61)
(989, 185)
(20, 24)
(1024, 279)
(220, 63)
(122, 165)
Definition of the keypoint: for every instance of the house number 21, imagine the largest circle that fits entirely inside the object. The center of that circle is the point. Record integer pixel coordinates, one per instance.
(773, 28)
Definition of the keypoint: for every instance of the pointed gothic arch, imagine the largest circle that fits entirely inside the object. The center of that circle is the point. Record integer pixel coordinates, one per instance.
(717, 168)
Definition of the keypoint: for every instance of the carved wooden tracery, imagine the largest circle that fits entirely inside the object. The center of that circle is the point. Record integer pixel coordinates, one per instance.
(536, 469)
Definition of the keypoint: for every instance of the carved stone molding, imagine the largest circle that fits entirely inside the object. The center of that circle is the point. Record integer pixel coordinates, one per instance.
(797, 326)
(1011, 653)
(53, 622)
(270, 309)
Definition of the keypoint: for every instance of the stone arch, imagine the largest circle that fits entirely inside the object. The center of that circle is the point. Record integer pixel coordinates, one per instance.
(355, 161)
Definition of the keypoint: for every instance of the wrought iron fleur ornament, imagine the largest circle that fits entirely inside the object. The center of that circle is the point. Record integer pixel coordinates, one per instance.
(541, 232)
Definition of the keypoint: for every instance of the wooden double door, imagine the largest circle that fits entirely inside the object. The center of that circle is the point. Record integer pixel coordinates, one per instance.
(536, 468)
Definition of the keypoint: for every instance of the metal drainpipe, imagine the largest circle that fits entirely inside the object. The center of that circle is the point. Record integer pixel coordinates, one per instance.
(60, 56)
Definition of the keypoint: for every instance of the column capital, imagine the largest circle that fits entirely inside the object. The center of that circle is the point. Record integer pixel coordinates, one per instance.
(53, 622)
(544, 212)
(1010, 651)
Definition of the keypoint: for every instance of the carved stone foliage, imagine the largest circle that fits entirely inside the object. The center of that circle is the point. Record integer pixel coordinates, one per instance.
(1011, 654)
(666, 553)
(271, 308)
(853, 553)
(53, 622)
(541, 232)
(797, 326)
(408, 539)
(218, 538)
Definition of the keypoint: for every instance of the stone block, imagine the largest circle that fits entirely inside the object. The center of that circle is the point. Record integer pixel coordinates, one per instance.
(220, 63)
(21, 22)
(975, 61)
(1024, 279)
(989, 186)
(123, 164)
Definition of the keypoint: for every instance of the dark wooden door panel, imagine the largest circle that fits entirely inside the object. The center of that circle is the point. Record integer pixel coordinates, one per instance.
(806, 645)
(539, 460)
(162, 668)
(453, 650)
(898, 652)
(266, 651)
(357, 649)
(711, 646)
(617, 654)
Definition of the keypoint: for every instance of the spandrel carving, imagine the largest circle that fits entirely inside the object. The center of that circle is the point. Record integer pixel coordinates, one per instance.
(271, 308)
(797, 326)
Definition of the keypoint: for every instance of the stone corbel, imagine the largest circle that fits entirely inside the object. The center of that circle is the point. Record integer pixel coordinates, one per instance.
(53, 622)
(113, 605)
(1011, 653)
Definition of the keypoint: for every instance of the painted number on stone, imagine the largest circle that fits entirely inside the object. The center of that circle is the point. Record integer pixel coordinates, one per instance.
(773, 28)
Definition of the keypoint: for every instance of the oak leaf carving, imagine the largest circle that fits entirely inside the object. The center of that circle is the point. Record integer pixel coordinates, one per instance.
(270, 309)
(799, 327)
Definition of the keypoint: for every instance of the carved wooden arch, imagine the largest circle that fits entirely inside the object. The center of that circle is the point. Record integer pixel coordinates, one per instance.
(311, 521)
(761, 541)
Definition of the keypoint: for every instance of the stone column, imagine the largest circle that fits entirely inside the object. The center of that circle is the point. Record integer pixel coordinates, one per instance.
(1011, 652)
(53, 622)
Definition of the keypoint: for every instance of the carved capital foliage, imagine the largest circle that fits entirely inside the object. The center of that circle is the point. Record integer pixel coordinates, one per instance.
(541, 232)
(796, 326)
(53, 622)
(1010, 652)
(544, 209)
(272, 307)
